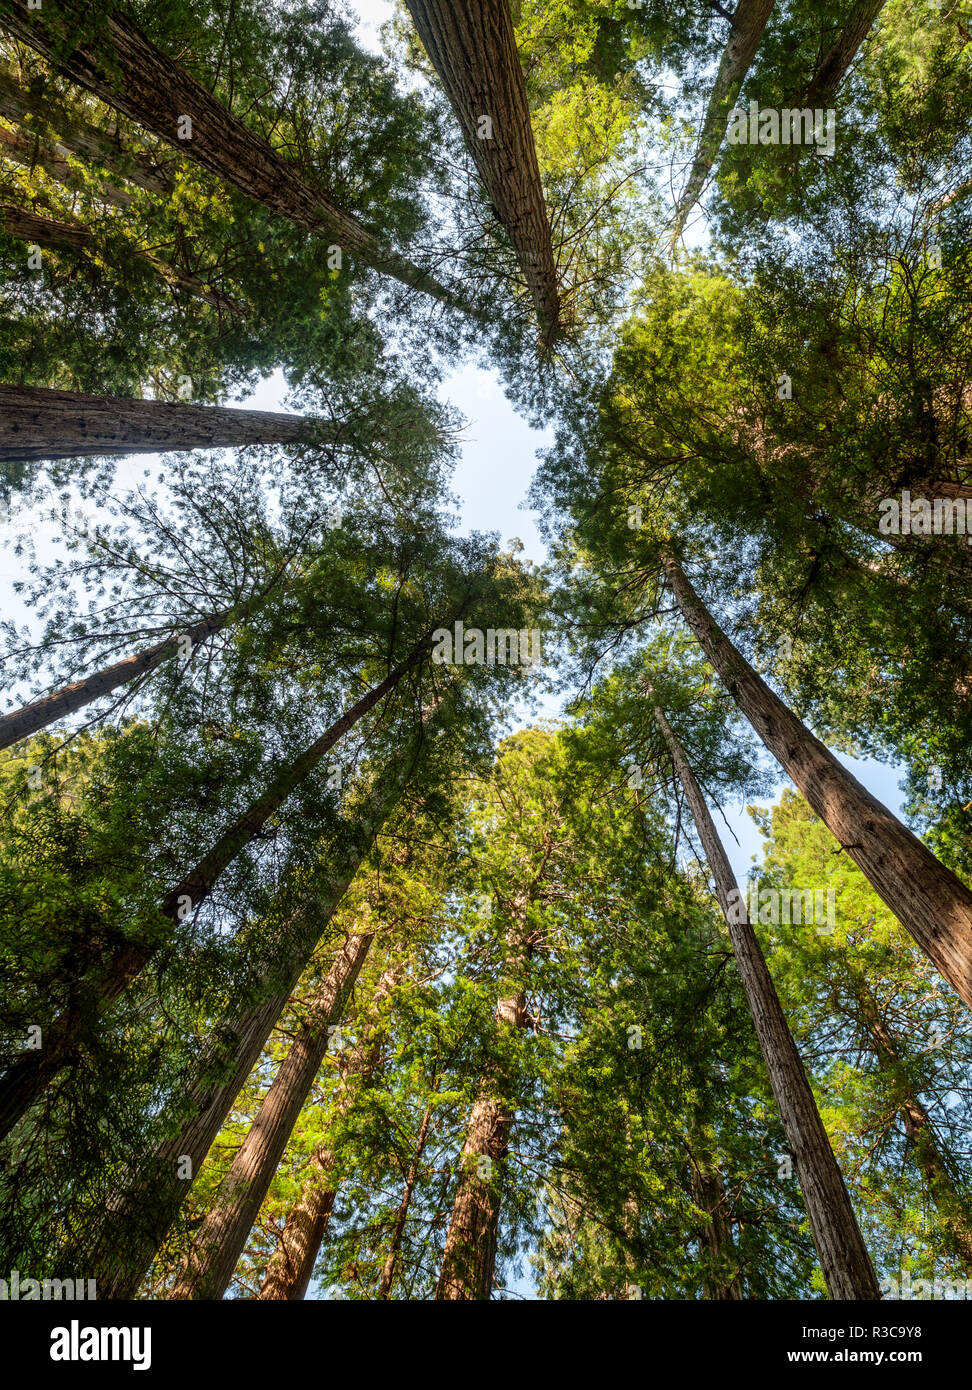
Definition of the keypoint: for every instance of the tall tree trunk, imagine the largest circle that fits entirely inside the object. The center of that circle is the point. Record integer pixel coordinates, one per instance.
(836, 63)
(38, 423)
(469, 1258)
(135, 77)
(926, 897)
(72, 236)
(289, 1271)
(223, 1235)
(721, 1282)
(25, 105)
(26, 1079)
(401, 1216)
(749, 19)
(51, 158)
(472, 47)
(843, 1255)
(120, 1250)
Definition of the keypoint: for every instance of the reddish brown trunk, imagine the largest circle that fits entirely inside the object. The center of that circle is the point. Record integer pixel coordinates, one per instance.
(834, 68)
(222, 1237)
(37, 423)
(722, 1282)
(136, 78)
(472, 47)
(925, 896)
(843, 1255)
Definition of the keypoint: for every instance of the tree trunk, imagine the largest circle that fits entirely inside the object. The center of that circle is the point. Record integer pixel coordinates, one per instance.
(72, 236)
(748, 22)
(21, 723)
(23, 104)
(721, 1282)
(401, 1216)
(832, 71)
(926, 897)
(158, 94)
(290, 1269)
(29, 1075)
(843, 1255)
(51, 158)
(37, 423)
(472, 47)
(469, 1258)
(223, 1235)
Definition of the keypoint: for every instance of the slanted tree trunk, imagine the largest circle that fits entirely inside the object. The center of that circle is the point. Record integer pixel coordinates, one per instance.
(25, 105)
(72, 236)
(51, 158)
(289, 1271)
(401, 1216)
(836, 63)
(37, 423)
(222, 1236)
(721, 1282)
(843, 1255)
(29, 1075)
(926, 897)
(749, 19)
(469, 1258)
(472, 47)
(135, 77)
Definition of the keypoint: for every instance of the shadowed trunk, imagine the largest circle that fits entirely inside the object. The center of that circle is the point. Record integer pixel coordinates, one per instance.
(748, 22)
(223, 1235)
(38, 423)
(22, 104)
(843, 1255)
(401, 1216)
(721, 1282)
(835, 65)
(473, 50)
(925, 896)
(137, 78)
(72, 236)
(32, 151)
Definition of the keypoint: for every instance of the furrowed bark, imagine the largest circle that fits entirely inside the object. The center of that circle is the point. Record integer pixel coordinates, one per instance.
(24, 105)
(25, 1081)
(72, 236)
(748, 23)
(843, 1255)
(38, 423)
(928, 900)
(156, 93)
(289, 1271)
(472, 47)
(721, 1283)
(222, 1237)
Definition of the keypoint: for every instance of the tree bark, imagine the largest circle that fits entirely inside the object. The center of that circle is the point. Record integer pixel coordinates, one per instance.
(835, 65)
(843, 1255)
(222, 1237)
(472, 47)
(289, 1271)
(72, 236)
(30, 1074)
(748, 23)
(22, 104)
(158, 94)
(38, 423)
(721, 1282)
(926, 897)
